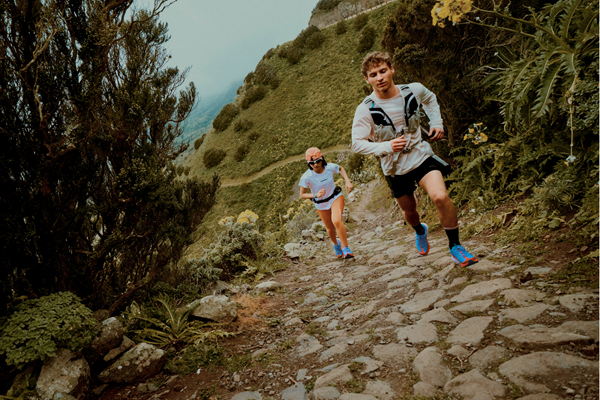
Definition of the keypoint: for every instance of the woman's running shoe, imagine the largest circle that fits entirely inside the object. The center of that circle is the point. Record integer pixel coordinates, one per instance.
(338, 249)
(462, 257)
(421, 241)
(347, 253)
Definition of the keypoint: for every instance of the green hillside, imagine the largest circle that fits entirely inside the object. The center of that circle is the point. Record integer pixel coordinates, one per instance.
(313, 106)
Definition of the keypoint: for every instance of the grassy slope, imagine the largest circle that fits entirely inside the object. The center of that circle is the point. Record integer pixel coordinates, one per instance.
(313, 106)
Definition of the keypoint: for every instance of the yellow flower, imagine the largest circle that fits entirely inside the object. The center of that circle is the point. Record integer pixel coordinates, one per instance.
(466, 137)
(475, 141)
(248, 217)
(484, 137)
(479, 123)
(471, 130)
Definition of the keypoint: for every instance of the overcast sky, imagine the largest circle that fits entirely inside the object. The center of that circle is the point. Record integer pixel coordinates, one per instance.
(223, 40)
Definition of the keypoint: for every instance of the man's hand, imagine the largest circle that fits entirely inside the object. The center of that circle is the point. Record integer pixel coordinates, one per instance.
(321, 193)
(436, 134)
(398, 144)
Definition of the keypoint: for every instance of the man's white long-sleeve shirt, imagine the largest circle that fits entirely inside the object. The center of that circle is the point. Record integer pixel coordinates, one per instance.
(364, 131)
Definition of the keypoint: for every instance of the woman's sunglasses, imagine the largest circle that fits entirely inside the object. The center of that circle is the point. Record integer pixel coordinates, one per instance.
(318, 160)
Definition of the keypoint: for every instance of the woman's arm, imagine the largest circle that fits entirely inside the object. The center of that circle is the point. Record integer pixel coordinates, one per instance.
(349, 186)
(304, 195)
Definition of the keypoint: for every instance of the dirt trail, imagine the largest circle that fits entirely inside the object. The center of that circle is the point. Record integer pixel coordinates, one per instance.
(261, 173)
(394, 324)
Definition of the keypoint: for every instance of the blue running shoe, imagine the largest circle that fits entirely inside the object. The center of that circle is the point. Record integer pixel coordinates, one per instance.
(421, 241)
(347, 252)
(338, 249)
(462, 257)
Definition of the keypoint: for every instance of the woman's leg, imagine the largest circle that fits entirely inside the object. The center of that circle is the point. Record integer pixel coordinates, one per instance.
(337, 209)
(326, 218)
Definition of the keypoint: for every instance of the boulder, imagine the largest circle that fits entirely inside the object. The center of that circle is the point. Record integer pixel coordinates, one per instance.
(429, 366)
(395, 354)
(216, 308)
(424, 389)
(539, 336)
(139, 363)
(474, 386)
(419, 333)
(482, 289)
(326, 393)
(523, 314)
(380, 389)
(247, 396)
(109, 337)
(126, 344)
(296, 392)
(470, 331)
(422, 301)
(341, 374)
(66, 374)
(267, 286)
(488, 356)
(543, 372)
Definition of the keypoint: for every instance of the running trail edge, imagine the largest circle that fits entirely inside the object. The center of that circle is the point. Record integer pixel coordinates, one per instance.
(280, 163)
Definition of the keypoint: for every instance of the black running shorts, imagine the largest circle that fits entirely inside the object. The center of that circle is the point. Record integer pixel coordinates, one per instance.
(407, 184)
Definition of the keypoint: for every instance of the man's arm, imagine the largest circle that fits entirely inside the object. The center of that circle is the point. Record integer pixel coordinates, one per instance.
(429, 102)
(361, 132)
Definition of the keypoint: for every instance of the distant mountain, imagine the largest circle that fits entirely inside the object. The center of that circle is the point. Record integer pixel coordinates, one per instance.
(200, 120)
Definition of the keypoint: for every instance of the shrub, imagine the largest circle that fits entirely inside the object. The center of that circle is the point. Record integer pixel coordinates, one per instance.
(315, 40)
(283, 52)
(265, 75)
(213, 157)
(227, 114)
(294, 55)
(275, 139)
(249, 79)
(367, 38)
(242, 125)
(239, 241)
(355, 162)
(198, 142)
(360, 21)
(179, 170)
(254, 136)
(303, 36)
(39, 327)
(269, 54)
(241, 151)
(253, 94)
(191, 358)
(340, 27)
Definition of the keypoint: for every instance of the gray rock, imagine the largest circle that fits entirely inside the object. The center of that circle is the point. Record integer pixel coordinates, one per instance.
(429, 366)
(458, 351)
(470, 330)
(290, 247)
(425, 260)
(66, 373)
(477, 306)
(294, 321)
(577, 302)
(216, 308)
(457, 281)
(482, 289)
(356, 396)
(339, 374)
(422, 301)
(474, 386)
(301, 374)
(396, 251)
(247, 396)
(267, 286)
(109, 337)
(523, 314)
(368, 309)
(438, 315)
(539, 337)
(320, 320)
(419, 333)
(395, 318)
(296, 392)
(486, 265)
(402, 282)
(339, 348)
(544, 372)
(521, 297)
(370, 364)
(425, 389)
(380, 389)
(586, 328)
(538, 270)
(326, 393)
(126, 344)
(488, 357)
(141, 362)
(308, 345)
(428, 284)
(394, 354)
(545, 396)
(396, 273)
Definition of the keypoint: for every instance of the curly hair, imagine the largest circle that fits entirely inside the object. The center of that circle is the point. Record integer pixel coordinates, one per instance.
(375, 59)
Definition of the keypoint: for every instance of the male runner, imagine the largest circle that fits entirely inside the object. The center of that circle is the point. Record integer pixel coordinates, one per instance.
(386, 124)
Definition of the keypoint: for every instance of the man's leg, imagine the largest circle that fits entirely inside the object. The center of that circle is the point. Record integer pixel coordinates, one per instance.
(433, 183)
(408, 205)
